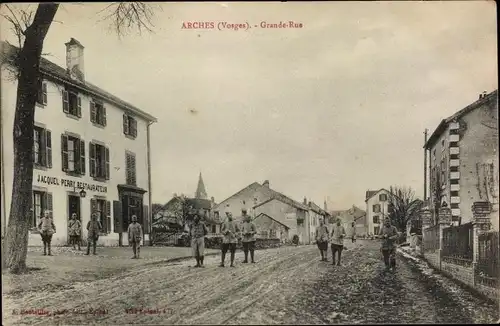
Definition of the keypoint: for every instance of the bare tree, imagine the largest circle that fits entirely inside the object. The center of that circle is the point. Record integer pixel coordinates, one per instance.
(403, 206)
(31, 29)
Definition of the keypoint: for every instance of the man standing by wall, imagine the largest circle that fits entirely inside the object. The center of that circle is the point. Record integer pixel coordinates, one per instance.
(230, 232)
(248, 229)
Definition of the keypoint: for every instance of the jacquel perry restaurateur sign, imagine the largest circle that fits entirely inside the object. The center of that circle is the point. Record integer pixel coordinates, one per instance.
(70, 183)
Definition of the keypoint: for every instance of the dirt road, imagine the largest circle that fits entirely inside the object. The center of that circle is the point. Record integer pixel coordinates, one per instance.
(286, 285)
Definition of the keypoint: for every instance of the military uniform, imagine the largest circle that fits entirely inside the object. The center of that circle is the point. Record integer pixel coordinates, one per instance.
(135, 237)
(94, 227)
(230, 231)
(248, 231)
(197, 233)
(47, 229)
(75, 232)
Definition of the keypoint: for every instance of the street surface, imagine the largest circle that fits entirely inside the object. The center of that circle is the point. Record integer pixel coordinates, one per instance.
(288, 285)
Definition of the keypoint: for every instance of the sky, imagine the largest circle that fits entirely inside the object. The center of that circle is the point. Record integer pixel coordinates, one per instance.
(326, 111)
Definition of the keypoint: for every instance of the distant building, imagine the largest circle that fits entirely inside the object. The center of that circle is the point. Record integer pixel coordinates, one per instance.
(348, 216)
(260, 198)
(269, 228)
(463, 160)
(377, 208)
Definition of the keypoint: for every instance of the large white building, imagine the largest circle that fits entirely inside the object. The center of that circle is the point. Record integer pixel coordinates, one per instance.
(377, 208)
(91, 152)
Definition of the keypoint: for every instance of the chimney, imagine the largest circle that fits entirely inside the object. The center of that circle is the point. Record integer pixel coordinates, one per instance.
(305, 201)
(212, 199)
(266, 183)
(74, 59)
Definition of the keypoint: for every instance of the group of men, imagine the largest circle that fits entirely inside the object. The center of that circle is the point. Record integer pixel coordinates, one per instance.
(388, 233)
(47, 229)
(232, 233)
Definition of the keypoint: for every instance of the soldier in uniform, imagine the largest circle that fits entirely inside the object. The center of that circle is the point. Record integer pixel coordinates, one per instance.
(230, 232)
(47, 229)
(75, 231)
(94, 227)
(322, 240)
(248, 231)
(135, 236)
(198, 232)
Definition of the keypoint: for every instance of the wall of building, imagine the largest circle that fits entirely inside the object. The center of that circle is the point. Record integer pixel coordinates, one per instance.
(384, 208)
(53, 118)
(283, 213)
(245, 199)
(478, 145)
(264, 223)
(440, 152)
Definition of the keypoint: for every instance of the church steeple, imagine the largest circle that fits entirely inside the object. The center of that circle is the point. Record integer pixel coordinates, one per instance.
(201, 193)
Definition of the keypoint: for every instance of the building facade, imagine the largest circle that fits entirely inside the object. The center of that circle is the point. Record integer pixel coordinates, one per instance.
(269, 228)
(463, 159)
(377, 208)
(76, 170)
(353, 214)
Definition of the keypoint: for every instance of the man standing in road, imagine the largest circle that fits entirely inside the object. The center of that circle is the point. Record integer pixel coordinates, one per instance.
(135, 236)
(322, 240)
(248, 229)
(47, 229)
(198, 232)
(337, 240)
(230, 232)
(75, 231)
(94, 227)
(389, 234)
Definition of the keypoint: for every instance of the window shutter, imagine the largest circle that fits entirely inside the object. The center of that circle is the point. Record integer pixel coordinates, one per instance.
(76, 155)
(48, 203)
(82, 157)
(48, 148)
(108, 216)
(65, 101)
(145, 218)
(134, 127)
(104, 120)
(44, 93)
(125, 124)
(117, 216)
(64, 152)
(106, 157)
(93, 205)
(93, 112)
(79, 107)
(92, 159)
(43, 143)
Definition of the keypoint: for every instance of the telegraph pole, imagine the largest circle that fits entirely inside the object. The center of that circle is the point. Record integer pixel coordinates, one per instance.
(425, 165)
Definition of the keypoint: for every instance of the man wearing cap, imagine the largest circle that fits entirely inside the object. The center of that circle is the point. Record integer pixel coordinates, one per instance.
(322, 240)
(135, 236)
(198, 232)
(248, 231)
(230, 232)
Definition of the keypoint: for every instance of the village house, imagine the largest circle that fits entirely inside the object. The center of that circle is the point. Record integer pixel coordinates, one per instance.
(463, 159)
(377, 208)
(348, 216)
(76, 168)
(269, 228)
(260, 198)
(316, 213)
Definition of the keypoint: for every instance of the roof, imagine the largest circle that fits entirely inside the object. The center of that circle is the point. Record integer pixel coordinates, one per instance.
(264, 214)
(198, 203)
(445, 122)
(371, 193)
(273, 194)
(58, 73)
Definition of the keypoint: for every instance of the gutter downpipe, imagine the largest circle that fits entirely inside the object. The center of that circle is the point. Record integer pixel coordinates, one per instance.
(149, 184)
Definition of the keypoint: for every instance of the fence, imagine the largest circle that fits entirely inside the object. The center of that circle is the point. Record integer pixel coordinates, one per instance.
(457, 245)
(487, 272)
(431, 242)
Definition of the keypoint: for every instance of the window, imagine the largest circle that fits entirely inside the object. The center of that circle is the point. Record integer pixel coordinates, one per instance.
(243, 202)
(73, 154)
(98, 113)
(103, 210)
(41, 202)
(42, 147)
(42, 94)
(272, 234)
(129, 126)
(72, 103)
(214, 229)
(99, 161)
(130, 168)
(376, 230)
(376, 219)
(434, 154)
(443, 171)
(376, 208)
(382, 197)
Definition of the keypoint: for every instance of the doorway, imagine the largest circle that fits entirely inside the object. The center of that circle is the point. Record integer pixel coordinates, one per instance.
(73, 207)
